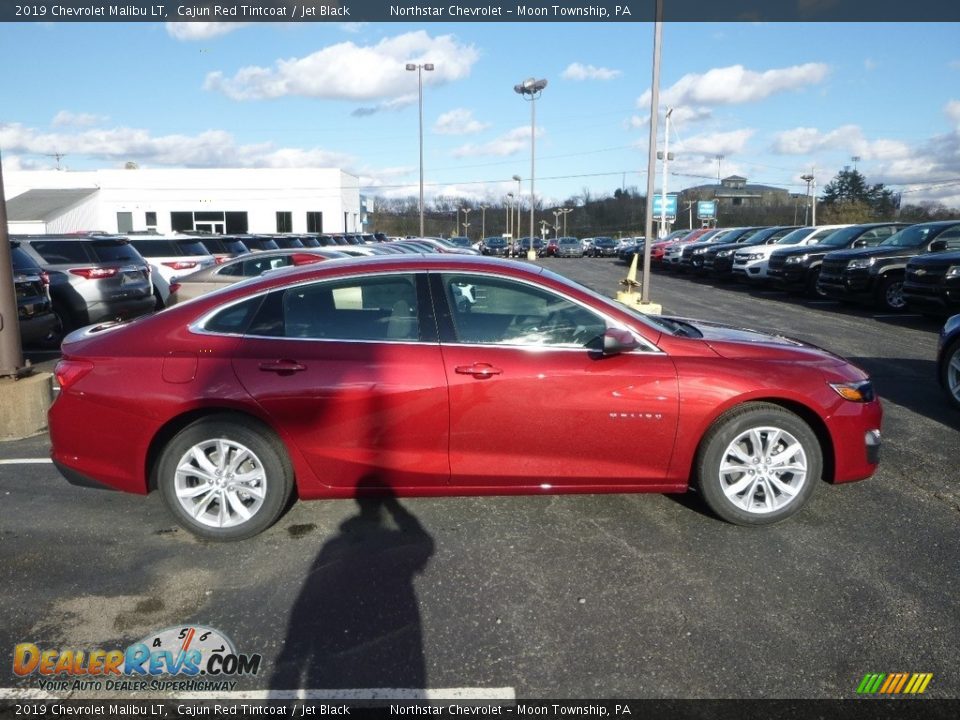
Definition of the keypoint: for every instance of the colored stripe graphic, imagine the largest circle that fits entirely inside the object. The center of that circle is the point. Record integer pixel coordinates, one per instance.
(894, 683)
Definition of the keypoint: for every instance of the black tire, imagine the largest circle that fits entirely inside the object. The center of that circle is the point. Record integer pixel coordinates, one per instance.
(158, 303)
(952, 354)
(716, 447)
(890, 293)
(268, 458)
(812, 289)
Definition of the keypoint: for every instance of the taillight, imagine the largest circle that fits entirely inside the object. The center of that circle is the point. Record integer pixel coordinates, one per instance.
(67, 372)
(45, 278)
(94, 273)
(174, 286)
(221, 259)
(181, 264)
(305, 258)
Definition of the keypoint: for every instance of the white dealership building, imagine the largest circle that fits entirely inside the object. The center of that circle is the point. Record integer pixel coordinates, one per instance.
(223, 201)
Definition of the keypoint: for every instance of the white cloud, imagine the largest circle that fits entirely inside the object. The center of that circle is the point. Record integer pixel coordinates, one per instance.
(458, 121)
(187, 31)
(67, 118)
(735, 85)
(348, 71)
(353, 27)
(721, 143)
(212, 148)
(847, 138)
(507, 144)
(391, 105)
(952, 111)
(578, 71)
(681, 115)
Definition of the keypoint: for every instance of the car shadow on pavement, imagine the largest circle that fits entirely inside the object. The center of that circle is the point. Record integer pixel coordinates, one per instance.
(356, 622)
(912, 384)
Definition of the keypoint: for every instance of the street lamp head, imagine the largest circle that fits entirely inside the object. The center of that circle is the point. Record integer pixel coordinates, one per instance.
(411, 66)
(517, 178)
(806, 178)
(428, 67)
(530, 86)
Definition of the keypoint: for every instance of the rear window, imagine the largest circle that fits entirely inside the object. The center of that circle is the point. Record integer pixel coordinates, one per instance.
(192, 247)
(155, 248)
(115, 251)
(22, 262)
(62, 252)
(224, 245)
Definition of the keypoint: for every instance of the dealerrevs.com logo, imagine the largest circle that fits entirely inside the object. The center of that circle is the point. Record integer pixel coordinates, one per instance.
(178, 659)
(894, 683)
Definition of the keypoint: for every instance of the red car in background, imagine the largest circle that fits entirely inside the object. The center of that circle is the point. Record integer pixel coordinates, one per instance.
(398, 373)
(658, 248)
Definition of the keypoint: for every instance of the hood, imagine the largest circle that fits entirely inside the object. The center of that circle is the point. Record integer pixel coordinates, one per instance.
(887, 251)
(734, 342)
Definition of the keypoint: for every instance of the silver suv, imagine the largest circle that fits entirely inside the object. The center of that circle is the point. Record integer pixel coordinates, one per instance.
(93, 278)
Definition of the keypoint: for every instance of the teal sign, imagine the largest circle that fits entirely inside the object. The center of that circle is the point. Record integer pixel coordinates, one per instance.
(671, 206)
(707, 209)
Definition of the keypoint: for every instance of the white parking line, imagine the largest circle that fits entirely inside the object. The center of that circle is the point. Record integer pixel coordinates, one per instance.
(506, 693)
(894, 315)
(27, 461)
(823, 302)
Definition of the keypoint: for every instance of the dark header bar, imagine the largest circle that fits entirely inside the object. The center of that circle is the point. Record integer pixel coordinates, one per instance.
(852, 11)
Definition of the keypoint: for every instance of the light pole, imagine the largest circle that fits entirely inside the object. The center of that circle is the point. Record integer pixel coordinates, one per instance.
(556, 221)
(509, 221)
(483, 221)
(530, 89)
(565, 211)
(11, 354)
(516, 226)
(719, 159)
(466, 216)
(420, 68)
(666, 162)
(809, 179)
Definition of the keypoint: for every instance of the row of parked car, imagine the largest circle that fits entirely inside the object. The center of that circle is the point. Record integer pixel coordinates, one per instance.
(63, 282)
(891, 265)
(894, 266)
(561, 247)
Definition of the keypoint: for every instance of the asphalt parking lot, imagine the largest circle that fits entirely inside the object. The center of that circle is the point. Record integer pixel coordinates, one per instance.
(612, 596)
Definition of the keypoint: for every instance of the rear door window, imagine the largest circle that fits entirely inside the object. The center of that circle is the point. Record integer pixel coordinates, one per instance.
(115, 251)
(62, 252)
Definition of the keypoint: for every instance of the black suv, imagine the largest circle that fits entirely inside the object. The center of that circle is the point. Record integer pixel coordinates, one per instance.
(38, 324)
(495, 246)
(692, 255)
(876, 274)
(603, 247)
(799, 267)
(718, 260)
(931, 283)
(93, 278)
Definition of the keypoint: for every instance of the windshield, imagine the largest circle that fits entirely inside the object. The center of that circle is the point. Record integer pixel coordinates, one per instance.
(914, 236)
(796, 236)
(843, 237)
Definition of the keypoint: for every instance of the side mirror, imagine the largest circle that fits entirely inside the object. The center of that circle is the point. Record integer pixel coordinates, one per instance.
(859, 243)
(616, 341)
(938, 245)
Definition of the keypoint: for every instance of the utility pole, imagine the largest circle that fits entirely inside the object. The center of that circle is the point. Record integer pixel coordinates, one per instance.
(810, 179)
(652, 154)
(509, 220)
(719, 159)
(483, 221)
(11, 355)
(565, 211)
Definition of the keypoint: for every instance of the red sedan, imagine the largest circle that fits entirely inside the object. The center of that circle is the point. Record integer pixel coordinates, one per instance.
(398, 372)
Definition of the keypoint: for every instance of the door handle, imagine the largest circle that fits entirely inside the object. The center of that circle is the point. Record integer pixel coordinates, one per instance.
(481, 371)
(282, 366)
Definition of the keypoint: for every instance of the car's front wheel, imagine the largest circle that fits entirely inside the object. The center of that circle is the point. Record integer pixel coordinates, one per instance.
(890, 293)
(225, 477)
(758, 464)
(950, 373)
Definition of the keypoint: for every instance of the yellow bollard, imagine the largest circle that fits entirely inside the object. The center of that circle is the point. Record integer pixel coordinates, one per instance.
(631, 297)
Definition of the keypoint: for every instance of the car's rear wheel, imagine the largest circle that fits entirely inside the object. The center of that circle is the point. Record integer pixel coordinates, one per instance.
(950, 373)
(890, 293)
(758, 464)
(225, 477)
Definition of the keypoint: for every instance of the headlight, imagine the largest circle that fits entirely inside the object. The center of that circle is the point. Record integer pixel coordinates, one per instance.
(797, 259)
(861, 391)
(700, 251)
(724, 253)
(953, 272)
(753, 256)
(861, 263)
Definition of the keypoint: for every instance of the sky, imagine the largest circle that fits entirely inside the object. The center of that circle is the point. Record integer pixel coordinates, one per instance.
(776, 100)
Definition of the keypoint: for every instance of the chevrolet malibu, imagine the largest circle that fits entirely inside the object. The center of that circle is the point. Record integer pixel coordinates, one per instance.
(399, 373)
